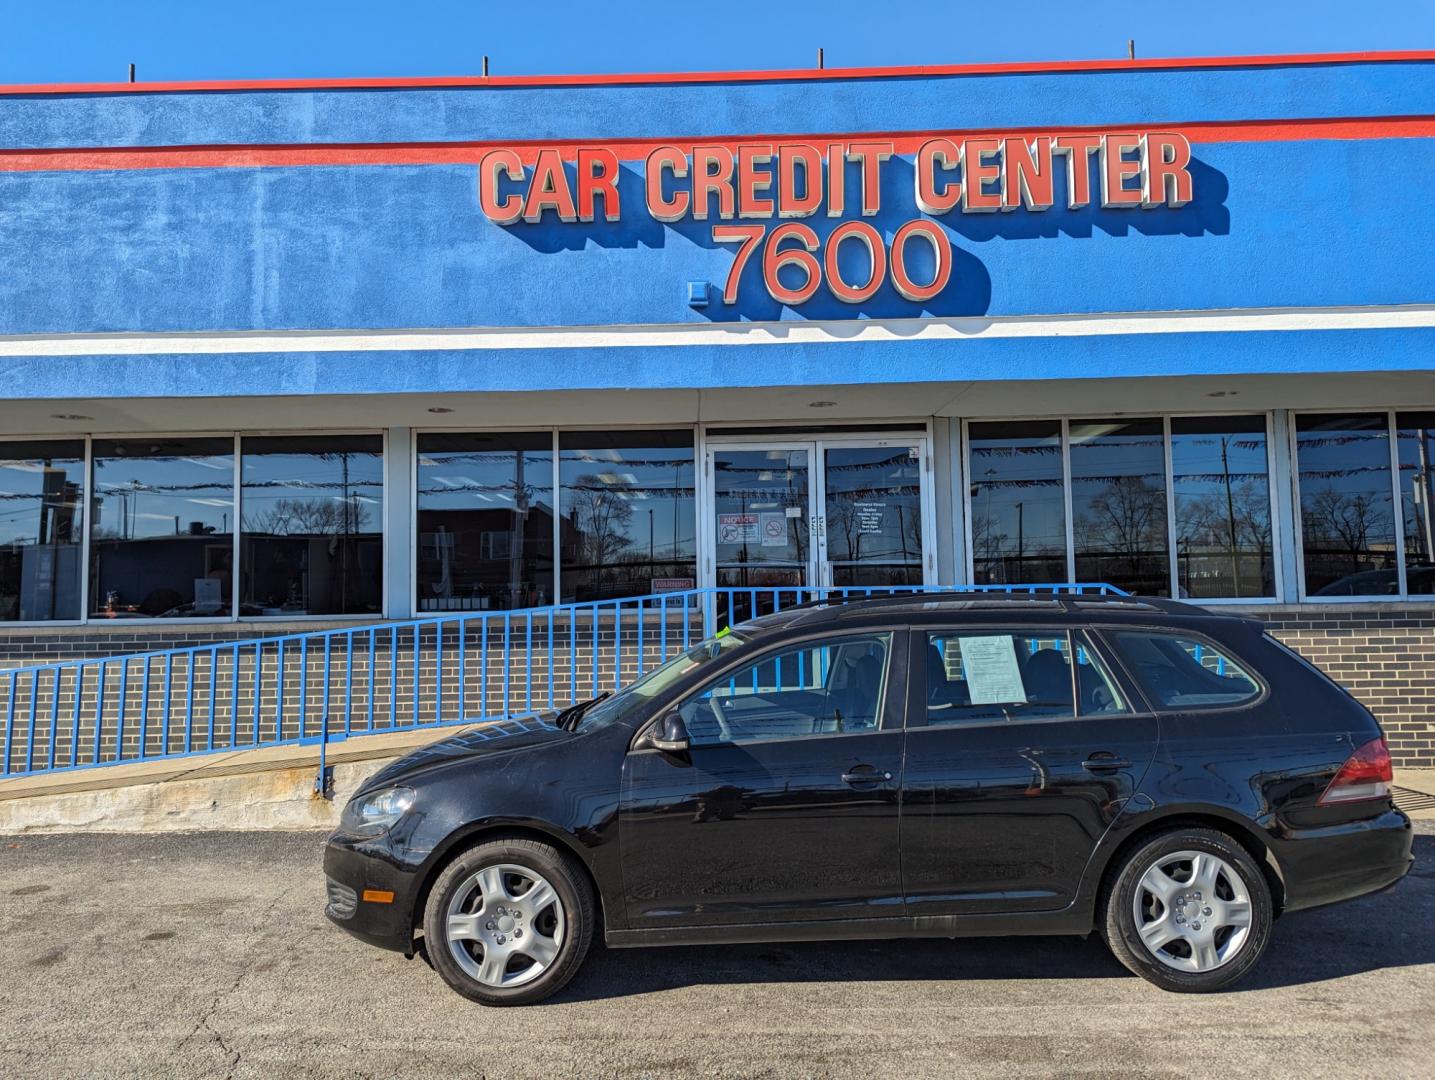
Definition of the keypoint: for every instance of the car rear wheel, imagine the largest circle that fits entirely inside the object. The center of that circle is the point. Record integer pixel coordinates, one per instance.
(509, 921)
(1189, 910)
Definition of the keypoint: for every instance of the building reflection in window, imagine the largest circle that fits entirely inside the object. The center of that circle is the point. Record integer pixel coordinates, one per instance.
(160, 526)
(1018, 506)
(1118, 504)
(312, 542)
(1221, 477)
(628, 513)
(1346, 504)
(1415, 442)
(41, 488)
(874, 515)
(485, 521)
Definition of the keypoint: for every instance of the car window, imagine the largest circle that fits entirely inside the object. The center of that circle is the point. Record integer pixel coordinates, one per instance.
(1097, 693)
(1180, 672)
(831, 687)
(976, 677)
(634, 697)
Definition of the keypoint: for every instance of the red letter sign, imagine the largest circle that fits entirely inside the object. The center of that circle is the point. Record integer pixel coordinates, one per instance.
(503, 211)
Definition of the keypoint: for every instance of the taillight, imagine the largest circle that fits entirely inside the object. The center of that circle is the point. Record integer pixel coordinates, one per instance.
(1366, 775)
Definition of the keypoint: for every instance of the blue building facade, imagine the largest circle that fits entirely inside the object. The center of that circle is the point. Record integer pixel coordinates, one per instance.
(279, 353)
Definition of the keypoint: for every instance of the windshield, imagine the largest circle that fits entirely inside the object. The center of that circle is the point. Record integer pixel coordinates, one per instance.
(637, 694)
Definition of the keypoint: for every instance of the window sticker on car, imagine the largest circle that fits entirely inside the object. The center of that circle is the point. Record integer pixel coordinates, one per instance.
(991, 669)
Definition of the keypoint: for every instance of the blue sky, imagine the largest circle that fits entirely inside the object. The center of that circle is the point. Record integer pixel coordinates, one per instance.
(94, 40)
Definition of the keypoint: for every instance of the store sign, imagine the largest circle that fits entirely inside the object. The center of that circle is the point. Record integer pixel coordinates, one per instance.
(778, 183)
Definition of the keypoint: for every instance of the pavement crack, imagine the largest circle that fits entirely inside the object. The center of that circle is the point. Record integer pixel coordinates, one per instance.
(205, 1022)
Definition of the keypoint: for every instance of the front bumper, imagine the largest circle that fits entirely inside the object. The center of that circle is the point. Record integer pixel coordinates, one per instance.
(1341, 862)
(354, 866)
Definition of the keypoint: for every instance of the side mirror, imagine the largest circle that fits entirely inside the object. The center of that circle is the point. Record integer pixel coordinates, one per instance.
(670, 734)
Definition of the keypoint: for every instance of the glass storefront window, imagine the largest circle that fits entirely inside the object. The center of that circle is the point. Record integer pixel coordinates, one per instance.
(627, 509)
(1221, 480)
(1018, 504)
(485, 521)
(160, 521)
(41, 488)
(1118, 504)
(1415, 446)
(312, 539)
(1346, 504)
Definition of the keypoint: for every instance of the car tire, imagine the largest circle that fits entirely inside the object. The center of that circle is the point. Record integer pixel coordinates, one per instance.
(508, 922)
(1189, 910)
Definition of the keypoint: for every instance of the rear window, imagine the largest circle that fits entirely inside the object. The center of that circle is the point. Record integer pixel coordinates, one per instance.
(1179, 672)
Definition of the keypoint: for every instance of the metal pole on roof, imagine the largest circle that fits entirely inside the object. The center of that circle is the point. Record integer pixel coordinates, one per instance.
(1131, 48)
(485, 66)
(819, 58)
(132, 73)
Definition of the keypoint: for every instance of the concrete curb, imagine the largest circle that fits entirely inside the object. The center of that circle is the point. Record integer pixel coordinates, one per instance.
(266, 788)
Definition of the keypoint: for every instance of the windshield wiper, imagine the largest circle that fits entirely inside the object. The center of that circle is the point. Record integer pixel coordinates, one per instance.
(569, 718)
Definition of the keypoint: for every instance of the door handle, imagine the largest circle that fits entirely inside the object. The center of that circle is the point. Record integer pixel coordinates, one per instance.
(1105, 762)
(865, 774)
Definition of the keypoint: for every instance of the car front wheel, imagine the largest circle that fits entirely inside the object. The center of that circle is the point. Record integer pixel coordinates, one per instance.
(1189, 910)
(509, 921)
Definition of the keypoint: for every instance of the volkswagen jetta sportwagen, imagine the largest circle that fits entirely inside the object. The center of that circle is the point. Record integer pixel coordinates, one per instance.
(1170, 778)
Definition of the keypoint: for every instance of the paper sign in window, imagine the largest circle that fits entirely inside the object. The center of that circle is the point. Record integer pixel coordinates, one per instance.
(993, 676)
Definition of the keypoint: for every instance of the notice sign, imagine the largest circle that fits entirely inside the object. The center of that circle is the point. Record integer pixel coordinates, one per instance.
(737, 528)
(868, 516)
(774, 530)
(993, 676)
(672, 584)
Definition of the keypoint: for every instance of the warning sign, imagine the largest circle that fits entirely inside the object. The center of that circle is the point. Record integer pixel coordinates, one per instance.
(737, 528)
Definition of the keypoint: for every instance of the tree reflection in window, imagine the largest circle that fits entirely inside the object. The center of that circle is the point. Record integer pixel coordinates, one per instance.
(1118, 504)
(1346, 504)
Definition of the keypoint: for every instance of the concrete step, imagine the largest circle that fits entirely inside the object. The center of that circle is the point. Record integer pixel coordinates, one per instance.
(264, 788)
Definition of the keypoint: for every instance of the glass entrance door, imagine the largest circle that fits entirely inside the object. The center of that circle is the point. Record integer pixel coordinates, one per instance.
(762, 534)
(818, 513)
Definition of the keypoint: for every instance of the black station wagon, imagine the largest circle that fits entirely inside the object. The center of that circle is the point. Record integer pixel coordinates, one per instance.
(931, 766)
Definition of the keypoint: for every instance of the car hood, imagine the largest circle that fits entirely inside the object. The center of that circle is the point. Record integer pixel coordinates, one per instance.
(485, 740)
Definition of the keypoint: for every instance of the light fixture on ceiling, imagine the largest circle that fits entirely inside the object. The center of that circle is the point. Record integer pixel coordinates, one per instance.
(69, 416)
(1222, 393)
(440, 409)
(821, 404)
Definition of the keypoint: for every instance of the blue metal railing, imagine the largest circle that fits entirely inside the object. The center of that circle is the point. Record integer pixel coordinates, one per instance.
(328, 685)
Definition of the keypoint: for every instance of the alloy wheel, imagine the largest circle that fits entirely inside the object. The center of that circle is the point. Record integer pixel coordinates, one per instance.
(1192, 911)
(505, 925)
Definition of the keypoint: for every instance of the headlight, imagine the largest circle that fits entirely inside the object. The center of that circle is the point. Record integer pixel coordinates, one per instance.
(378, 810)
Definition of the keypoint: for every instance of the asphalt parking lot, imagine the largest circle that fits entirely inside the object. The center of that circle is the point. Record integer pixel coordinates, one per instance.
(207, 955)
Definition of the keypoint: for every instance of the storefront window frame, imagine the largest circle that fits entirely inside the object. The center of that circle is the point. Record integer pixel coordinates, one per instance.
(1392, 430)
(1272, 499)
(356, 617)
(969, 568)
(625, 430)
(83, 526)
(554, 488)
(236, 479)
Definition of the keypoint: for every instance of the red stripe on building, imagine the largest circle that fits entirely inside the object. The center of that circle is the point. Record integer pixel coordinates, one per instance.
(468, 153)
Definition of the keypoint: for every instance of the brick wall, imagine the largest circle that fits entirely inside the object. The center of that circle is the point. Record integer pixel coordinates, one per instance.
(1384, 654)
